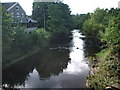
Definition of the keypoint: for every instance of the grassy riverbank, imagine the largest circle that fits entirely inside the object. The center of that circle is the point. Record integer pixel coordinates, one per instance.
(105, 73)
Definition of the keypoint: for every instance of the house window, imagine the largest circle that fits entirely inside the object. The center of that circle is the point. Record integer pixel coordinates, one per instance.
(17, 7)
(12, 14)
(18, 15)
(22, 14)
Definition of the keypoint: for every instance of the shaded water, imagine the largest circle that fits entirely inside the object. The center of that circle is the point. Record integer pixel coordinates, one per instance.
(60, 67)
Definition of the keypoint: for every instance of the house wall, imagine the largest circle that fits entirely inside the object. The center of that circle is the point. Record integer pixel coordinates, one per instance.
(19, 16)
(17, 13)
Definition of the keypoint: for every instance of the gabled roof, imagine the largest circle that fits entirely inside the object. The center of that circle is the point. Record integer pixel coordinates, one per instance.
(8, 5)
(25, 20)
(31, 20)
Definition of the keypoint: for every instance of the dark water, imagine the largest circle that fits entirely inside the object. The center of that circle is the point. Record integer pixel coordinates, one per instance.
(60, 67)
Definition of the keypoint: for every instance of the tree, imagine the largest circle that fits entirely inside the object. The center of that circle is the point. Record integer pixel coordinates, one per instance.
(108, 74)
(112, 33)
(59, 21)
(39, 13)
(6, 31)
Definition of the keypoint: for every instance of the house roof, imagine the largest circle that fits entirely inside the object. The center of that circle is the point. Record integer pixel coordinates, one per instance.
(31, 20)
(8, 5)
(26, 20)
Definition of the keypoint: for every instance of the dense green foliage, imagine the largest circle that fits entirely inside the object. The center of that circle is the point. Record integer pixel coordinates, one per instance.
(102, 30)
(39, 38)
(79, 19)
(108, 73)
(55, 18)
(50, 13)
(39, 13)
(59, 22)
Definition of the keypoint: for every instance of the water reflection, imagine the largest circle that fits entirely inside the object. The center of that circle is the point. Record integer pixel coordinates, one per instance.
(53, 62)
(46, 64)
(91, 47)
(60, 67)
(77, 63)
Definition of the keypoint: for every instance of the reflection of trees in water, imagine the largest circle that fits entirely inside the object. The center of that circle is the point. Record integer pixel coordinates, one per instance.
(52, 63)
(17, 73)
(91, 47)
(48, 63)
(62, 41)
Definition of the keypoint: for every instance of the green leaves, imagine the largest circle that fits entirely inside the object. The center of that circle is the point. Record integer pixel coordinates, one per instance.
(109, 64)
(54, 17)
(39, 37)
(39, 13)
(78, 20)
(111, 35)
(96, 23)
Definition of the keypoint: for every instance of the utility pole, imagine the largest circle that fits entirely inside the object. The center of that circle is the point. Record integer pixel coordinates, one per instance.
(44, 15)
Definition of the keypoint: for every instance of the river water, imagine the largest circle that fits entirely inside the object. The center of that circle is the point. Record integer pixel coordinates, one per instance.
(60, 67)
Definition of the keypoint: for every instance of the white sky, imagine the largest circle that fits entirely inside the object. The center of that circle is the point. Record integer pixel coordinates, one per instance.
(76, 6)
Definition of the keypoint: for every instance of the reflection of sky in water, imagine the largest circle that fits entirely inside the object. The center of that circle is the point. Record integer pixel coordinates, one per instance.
(72, 77)
(77, 55)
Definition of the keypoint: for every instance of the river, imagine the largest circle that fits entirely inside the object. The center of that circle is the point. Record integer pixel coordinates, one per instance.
(59, 67)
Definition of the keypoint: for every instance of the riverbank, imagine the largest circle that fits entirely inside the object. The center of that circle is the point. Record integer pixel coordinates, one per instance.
(102, 73)
(94, 70)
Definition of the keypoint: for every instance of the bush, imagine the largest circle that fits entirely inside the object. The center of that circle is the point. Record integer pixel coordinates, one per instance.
(39, 37)
(109, 64)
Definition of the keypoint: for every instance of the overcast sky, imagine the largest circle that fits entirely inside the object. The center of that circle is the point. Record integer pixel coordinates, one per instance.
(76, 6)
